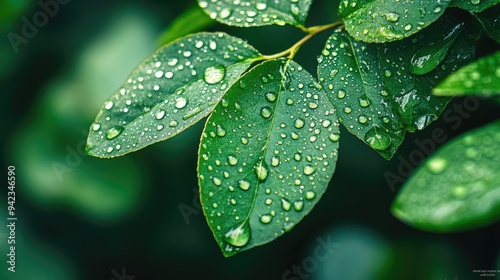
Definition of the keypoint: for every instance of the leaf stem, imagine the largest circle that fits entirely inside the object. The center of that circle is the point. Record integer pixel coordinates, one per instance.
(312, 31)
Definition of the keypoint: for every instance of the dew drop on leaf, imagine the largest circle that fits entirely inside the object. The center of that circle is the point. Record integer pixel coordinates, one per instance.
(378, 139)
(113, 132)
(214, 74)
(238, 236)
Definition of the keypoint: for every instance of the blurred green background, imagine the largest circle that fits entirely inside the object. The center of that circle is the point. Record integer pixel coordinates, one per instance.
(88, 218)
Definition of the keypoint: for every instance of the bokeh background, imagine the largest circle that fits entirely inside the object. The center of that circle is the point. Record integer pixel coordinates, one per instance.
(86, 218)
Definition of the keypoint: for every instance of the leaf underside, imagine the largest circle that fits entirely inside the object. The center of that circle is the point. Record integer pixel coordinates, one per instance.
(257, 12)
(169, 91)
(267, 154)
(377, 97)
(458, 187)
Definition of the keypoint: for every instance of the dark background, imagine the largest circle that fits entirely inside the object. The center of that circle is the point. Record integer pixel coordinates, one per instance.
(88, 218)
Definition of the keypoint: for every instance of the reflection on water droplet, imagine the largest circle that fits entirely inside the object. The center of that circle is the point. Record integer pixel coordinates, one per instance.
(233, 160)
(299, 123)
(310, 195)
(114, 132)
(160, 114)
(308, 169)
(298, 205)
(108, 105)
(220, 131)
(96, 126)
(238, 236)
(285, 204)
(265, 112)
(392, 17)
(216, 181)
(214, 74)
(271, 96)
(244, 185)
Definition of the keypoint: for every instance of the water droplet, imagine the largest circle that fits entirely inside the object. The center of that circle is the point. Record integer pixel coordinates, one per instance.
(334, 137)
(363, 102)
(261, 6)
(275, 161)
(261, 171)
(180, 102)
(225, 13)
(437, 165)
(244, 185)
(268, 201)
(387, 73)
(347, 110)
(216, 181)
(299, 123)
(428, 57)
(285, 204)
(408, 27)
(362, 119)
(310, 195)
(298, 205)
(238, 236)
(96, 126)
(159, 127)
(392, 17)
(233, 160)
(271, 96)
(108, 105)
(378, 139)
(265, 112)
(114, 132)
(160, 114)
(172, 61)
(220, 131)
(475, 2)
(341, 94)
(173, 124)
(186, 54)
(266, 219)
(308, 169)
(214, 74)
(159, 74)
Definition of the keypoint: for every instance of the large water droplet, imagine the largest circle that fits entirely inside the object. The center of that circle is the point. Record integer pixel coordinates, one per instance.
(378, 139)
(233, 160)
(298, 205)
(214, 74)
(299, 123)
(308, 169)
(428, 57)
(114, 132)
(266, 219)
(261, 171)
(238, 236)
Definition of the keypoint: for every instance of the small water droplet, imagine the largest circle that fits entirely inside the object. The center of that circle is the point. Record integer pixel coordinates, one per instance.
(271, 96)
(266, 219)
(347, 110)
(308, 169)
(362, 119)
(96, 126)
(310, 195)
(160, 114)
(214, 74)
(216, 181)
(299, 123)
(275, 161)
(363, 102)
(173, 124)
(341, 94)
(114, 132)
(387, 73)
(261, 6)
(220, 131)
(408, 27)
(180, 102)
(392, 17)
(285, 204)
(232, 160)
(108, 105)
(334, 137)
(244, 185)
(298, 205)
(265, 112)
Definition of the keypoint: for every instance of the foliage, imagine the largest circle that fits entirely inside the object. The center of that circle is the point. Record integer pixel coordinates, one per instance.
(270, 143)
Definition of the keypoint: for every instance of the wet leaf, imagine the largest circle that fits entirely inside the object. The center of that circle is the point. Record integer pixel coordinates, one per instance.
(458, 187)
(257, 12)
(377, 96)
(169, 91)
(267, 154)
(475, 6)
(381, 21)
(490, 21)
(479, 77)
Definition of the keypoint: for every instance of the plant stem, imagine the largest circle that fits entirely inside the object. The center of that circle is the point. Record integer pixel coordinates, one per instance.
(312, 31)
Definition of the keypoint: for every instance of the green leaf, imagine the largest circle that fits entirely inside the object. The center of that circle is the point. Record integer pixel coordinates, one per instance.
(257, 12)
(267, 154)
(488, 19)
(377, 96)
(169, 91)
(380, 21)
(192, 20)
(474, 6)
(458, 187)
(479, 77)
